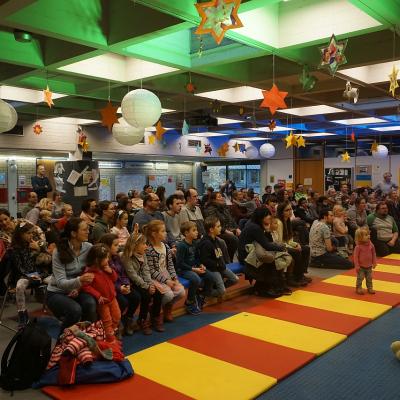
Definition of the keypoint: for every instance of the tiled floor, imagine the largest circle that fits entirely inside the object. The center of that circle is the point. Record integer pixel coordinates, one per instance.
(237, 304)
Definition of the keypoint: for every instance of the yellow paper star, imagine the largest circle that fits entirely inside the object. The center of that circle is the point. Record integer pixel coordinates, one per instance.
(109, 115)
(345, 157)
(47, 96)
(290, 140)
(374, 146)
(236, 147)
(160, 130)
(152, 139)
(300, 141)
(218, 16)
(393, 81)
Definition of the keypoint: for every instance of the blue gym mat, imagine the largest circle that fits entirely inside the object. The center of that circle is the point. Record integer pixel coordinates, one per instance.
(362, 367)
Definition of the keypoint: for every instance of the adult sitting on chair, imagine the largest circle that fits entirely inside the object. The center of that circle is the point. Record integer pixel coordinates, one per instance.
(323, 252)
(63, 296)
(385, 233)
(150, 211)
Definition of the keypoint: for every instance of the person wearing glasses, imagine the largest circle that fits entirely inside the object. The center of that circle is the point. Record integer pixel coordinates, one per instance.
(149, 212)
(386, 186)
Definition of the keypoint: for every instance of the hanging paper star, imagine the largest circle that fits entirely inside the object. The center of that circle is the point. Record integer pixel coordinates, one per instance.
(185, 127)
(160, 130)
(300, 142)
(82, 140)
(393, 81)
(236, 147)
(207, 148)
(272, 125)
(48, 96)
(109, 115)
(198, 148)
(152, 139)
(353, 136)
(190, 88)
(374, 146)
(241, 110)
(37, 129)
(218, 16)
(290, 140)
(242, 148)
(333, 54)
(307, 80)
(223, 149)
(273, 99)
(351, 93)
(345, 157)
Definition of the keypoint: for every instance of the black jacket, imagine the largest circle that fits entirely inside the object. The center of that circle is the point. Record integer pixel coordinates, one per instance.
(41, 186)
(304, 215)
(210, 254)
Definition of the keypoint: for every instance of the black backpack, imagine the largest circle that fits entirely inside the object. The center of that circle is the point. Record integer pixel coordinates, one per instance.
(25, 358)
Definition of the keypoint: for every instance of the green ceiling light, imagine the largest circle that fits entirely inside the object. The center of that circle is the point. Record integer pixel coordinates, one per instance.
(22, 36)
(307, 80)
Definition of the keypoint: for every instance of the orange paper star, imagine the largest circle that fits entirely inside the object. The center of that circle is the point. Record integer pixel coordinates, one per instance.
(109, 115)
(47, 96)
(374, 146)
(272, 125)
(37, 129)
(160, 130)
(218, 16)
(223, 149)
(273, 99)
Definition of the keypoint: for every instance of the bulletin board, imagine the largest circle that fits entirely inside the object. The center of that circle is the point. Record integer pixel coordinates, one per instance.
(124, 183)
(168, 181)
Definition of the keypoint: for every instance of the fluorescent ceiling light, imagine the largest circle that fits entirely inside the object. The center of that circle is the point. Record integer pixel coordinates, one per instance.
(73, 121)
(318, 134)
(311, 110)
(234, 95)
(222, 121)
(359, 121)
(163, 110)
(117, 68)
(276, 129)
(251, 139)
(372, 73)
(207, 134)
(25, 95)
(153, 129)
(387, 128)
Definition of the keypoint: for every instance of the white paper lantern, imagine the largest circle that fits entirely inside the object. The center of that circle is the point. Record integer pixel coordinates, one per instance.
(8, 116)
(126, 134)
(141, 107)
(267, 150)
(381, 152)
(251, 152)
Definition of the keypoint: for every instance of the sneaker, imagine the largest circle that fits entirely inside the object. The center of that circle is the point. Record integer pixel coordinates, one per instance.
(201, 300)
(191, 308)
(371, 291)
(307, 279)
(359, 291)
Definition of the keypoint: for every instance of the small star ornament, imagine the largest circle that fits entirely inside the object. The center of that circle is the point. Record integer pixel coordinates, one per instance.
(290, 140)
(374, 146)
(185, 128)
(152, 139)
(272, 125)
(47, 93)
(393, 81)
(273, 99)
(300, 142)
(190, 88)
(109, 115)
(242, 148)
(236, 147)
(208, 148)
(198, 149)
(160, 131)
(333, 55)
(37, 129)
(353, 136)
(223, 149)
(345, 157)
(351, 93)
(217, 17)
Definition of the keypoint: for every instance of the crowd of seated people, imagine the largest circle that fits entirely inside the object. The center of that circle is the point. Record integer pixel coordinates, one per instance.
(113, 259)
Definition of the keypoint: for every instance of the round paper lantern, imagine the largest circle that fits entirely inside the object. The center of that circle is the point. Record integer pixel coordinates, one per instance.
(267, 150)
(251, 152)
(8, 116)
(126, 134)
(381, 152)
(141, 107)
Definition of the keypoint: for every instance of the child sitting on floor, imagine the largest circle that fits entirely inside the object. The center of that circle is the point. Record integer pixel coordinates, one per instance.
(161, 265)
(102, 288)
(364, 259)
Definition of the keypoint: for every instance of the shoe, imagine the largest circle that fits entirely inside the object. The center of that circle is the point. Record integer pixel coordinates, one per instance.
(371, 291)
(359, 291)
(293, 283)
(192, 308)
(167, 311)
(307, 279)
(118, 332)
(303, 281)
(128, 329)
(144, 326)
(286, 291)
(157, 323)
(201, 301)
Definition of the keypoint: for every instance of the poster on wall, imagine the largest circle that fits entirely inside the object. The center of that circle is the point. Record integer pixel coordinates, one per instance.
(334, 177)
(363, 176)
(105, 188)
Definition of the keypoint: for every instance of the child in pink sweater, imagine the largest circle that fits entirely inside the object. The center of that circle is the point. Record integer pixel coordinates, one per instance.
(364, 260)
